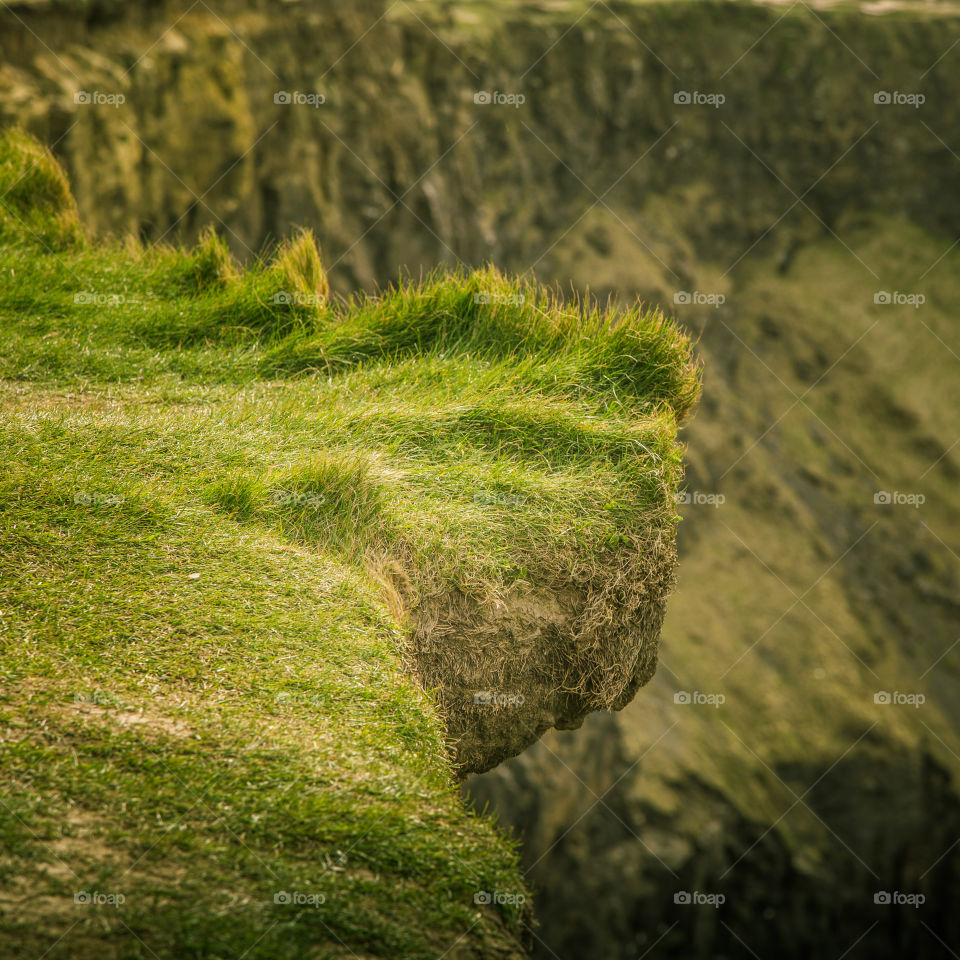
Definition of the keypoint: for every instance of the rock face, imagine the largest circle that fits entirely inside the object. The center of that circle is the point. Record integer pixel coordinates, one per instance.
(604, 171)
(789, 226)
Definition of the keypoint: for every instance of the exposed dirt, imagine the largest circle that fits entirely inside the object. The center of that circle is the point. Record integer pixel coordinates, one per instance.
(505, 670)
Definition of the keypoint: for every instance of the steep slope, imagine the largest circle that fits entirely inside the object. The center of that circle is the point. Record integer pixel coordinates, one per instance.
(224, 596)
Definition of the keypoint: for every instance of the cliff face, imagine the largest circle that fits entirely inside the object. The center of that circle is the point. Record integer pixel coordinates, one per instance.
(598, 173)
(795, 227)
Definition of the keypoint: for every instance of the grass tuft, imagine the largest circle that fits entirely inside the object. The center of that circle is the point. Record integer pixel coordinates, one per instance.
(36, 206)
(213, 264)
(300, 272)
(488, 317)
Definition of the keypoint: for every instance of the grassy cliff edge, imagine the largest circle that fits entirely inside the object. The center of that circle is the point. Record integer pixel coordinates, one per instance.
(245, 528)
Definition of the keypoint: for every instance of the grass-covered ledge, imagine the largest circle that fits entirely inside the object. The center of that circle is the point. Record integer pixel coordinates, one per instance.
(272, 560)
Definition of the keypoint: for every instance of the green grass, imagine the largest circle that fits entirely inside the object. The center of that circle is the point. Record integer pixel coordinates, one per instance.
(204, 699)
